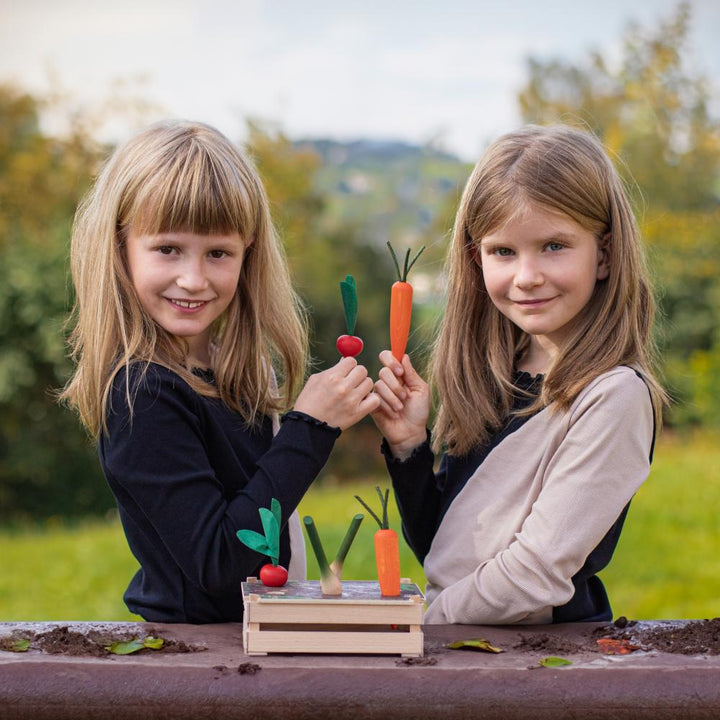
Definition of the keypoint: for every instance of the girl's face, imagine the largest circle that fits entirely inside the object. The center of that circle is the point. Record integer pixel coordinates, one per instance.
(185, 282)
(540, 271)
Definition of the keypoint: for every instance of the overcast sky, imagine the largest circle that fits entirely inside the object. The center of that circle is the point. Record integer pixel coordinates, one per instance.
(447, 70)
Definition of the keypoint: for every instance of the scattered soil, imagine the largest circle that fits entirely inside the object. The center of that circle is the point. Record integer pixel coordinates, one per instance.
(700, 637)
(550, 645)
(62, 640)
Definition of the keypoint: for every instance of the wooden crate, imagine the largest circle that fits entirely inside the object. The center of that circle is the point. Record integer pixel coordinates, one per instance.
(298, 618)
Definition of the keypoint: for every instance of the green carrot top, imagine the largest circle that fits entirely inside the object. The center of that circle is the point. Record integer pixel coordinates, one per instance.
(384, 525)
(402, 276)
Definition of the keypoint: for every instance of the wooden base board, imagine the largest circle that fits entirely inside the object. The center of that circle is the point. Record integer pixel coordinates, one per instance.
(298, 618)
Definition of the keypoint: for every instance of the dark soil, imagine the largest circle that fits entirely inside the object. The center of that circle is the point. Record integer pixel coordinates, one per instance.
(700, 637)
(62, 640)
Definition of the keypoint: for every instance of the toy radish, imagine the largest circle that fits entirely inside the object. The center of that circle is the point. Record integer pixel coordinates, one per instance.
(271, 574)
(387, 552)
(349, 345)
(401, 295)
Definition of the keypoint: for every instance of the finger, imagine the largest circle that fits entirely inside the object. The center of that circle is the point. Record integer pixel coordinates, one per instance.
(388, 396)
(385, 410)
(345, 365)
(395, 384)
(357, 375)
(389, 361)
(412, 379)
(370, 403)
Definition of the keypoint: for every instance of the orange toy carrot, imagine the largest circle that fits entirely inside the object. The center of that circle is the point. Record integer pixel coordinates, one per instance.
(401, 304)
(387, 552)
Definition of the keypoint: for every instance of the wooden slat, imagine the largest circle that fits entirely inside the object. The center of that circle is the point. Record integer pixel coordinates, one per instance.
(408, 644)
(310, 613)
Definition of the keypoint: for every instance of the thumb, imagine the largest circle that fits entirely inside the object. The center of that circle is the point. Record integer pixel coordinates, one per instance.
(410, 376)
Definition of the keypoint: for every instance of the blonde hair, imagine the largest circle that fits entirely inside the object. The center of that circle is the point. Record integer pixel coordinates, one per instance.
(181, 177)
(473, 359)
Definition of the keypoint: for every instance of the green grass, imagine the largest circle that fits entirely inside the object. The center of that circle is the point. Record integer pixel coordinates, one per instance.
(667, 564)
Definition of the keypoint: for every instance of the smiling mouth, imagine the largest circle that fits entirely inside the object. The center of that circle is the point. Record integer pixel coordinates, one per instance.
(188, 304)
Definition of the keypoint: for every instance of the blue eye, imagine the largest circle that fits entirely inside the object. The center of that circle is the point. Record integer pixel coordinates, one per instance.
(554, 246)
(503, 251)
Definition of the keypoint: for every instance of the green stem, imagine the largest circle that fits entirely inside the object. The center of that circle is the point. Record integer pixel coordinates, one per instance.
(317, 546)
(370, 510)
(395, 260)
(348, 539)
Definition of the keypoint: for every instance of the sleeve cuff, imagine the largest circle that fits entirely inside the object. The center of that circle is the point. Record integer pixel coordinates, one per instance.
(304, 417)
(416, 453)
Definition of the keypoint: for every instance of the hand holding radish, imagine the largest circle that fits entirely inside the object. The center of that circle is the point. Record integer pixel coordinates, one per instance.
(340, 396)
(349, 345)
(404, 405)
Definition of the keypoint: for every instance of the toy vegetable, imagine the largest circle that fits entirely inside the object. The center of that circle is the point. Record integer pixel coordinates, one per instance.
(387, 552)
(401, 304)
(349, 345)
(330, 575)
(272, 574)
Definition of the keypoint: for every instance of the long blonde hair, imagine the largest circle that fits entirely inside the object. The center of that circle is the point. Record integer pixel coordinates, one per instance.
(181, 176)
(568, 170)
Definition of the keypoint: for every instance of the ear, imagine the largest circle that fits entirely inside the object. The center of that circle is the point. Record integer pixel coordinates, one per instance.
(603, 266)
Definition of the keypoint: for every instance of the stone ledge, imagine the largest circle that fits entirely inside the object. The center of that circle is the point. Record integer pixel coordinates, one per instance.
(221, 681)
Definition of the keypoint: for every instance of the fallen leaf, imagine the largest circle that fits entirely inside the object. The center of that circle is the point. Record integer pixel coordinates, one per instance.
(132, 646)
(477, 644)
(20, 645)
(153, 643)
(554, 662)
(613, 646)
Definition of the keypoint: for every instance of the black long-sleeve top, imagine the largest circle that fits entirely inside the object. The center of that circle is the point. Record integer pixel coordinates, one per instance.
(187, 473)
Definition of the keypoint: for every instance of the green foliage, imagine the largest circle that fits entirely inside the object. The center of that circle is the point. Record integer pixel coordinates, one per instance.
(268, 543)
(47, 465)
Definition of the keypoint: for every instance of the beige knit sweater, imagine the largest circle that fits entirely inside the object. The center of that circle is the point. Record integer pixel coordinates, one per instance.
(542, 500)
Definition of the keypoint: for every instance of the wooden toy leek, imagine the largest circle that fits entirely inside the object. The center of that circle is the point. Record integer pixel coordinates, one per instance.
(331, 574)
(387, 551)
(349, 345)
(272, 574)
(401, 295)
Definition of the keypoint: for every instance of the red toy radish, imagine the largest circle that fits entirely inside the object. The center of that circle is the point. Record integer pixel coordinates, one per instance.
(272, 574)
(401, 295)
(349, 345)
(387, 551)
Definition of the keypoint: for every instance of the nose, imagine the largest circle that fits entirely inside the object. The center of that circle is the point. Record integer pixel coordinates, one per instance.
(528, 274)
(192, 276)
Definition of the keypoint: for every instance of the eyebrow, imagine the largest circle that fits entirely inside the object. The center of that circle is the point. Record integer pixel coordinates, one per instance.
(549, 238)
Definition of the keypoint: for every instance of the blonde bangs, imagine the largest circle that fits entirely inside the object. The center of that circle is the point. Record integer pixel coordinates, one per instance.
(191, 185)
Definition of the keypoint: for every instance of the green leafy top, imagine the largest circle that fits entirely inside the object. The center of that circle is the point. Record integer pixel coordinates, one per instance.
(269, 543)
(348, 290)
(402, 276)
(384, 525)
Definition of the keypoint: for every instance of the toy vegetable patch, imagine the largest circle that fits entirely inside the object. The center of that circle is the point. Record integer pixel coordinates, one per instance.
(272, 574)
(349, 345)
(401, 294)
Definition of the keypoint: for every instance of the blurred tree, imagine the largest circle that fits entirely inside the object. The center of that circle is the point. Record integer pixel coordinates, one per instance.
(47, 465)
(652, 110)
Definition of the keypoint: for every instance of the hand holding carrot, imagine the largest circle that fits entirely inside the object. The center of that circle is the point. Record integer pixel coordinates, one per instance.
(404, 407)
(340, 396)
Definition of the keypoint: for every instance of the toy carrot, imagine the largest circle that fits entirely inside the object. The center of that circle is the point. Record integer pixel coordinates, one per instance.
(349, 345)
(401, 304)
(387, 552)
